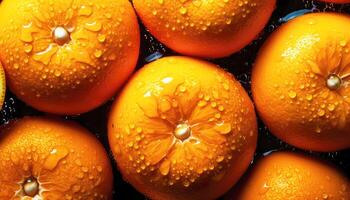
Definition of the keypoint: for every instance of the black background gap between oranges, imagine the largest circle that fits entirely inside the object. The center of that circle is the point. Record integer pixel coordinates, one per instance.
(239, 64)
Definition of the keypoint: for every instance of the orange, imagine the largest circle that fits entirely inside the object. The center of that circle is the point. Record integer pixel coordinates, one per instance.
(210, 29)
(2, 86)
(292, 176)
(65, 56)
(182, 129)
(300, 82)
(44, 158)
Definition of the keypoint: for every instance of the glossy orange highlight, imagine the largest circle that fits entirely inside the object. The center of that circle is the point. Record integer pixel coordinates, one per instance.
(292, 176)
(182, 129)
(44, 158)
(300, 82)
(67, 57)
(209, 29)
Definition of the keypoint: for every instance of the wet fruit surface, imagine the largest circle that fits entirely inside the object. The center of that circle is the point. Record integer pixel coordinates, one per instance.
(57, 54)
(40, 158)
(292, 176)
(2, 86)
(182, 129)
(301, 82)
(239, 64)
(201, 28)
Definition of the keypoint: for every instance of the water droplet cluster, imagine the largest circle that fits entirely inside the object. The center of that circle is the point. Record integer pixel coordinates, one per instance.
(184, 135)
(324, 88)
(183, 25)
(46, 165)
(183, 17)
(63, 47)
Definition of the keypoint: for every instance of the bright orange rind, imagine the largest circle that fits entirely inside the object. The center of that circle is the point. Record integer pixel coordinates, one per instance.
(182, 128)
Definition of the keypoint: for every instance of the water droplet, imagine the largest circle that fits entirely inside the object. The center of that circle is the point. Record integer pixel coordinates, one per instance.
(85, 11)
(16, 66)
(78, 162)
(56, 155)
(182, 88)
(220, 159)
(217, 115)
(223, 128)
(57, 73)
(186, 183)
(28, 48)
(130, 144)
(309, 97)
(26, 34)
(93, 26)
(321, 113)
(226, 86)
(148, 104)
(46, 55)
(183, 10)
(325, 196)
(264, 189)
(76, 188)
(99, 169)
(68, 197)
(343, 43)
(202, 103)
(83, 56)
(318, 130)
(221, 108)
(292, 94)
(164, 105)
(101, 38)
(80, 175)
(331, 107)
(164, 167)
(85, 169)
(98, 53)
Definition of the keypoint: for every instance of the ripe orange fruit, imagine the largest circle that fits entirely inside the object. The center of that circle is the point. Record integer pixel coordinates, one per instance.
(292, 176)
(67, 57)
(182, 129)
(301, 82)
(2, 86)
(43, 158)
(209, 29)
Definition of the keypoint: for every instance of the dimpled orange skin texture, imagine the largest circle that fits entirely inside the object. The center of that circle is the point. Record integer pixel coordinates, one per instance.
(2, 86)
(173, 91)
(289, 82)
(65, 158)
(291, 176)
(202, 28)
(79, 75)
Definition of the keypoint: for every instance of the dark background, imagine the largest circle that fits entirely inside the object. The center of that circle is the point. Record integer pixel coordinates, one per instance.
(239, 64)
